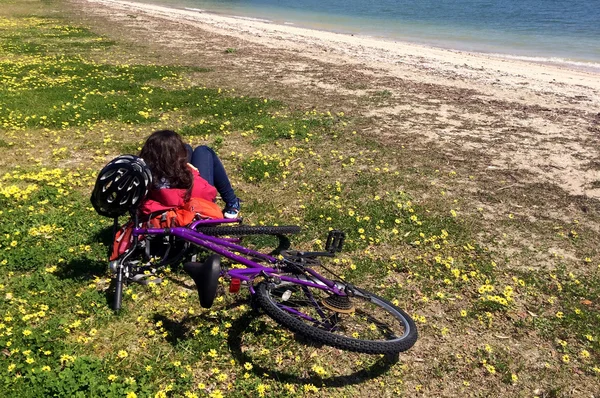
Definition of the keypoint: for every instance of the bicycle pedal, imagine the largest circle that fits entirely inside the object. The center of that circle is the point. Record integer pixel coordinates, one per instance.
(340, 304)
(335, 241)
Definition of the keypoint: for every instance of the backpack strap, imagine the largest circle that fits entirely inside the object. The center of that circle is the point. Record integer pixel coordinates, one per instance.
(122, 241)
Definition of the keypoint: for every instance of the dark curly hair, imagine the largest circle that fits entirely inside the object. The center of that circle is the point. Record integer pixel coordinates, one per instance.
(165, 153)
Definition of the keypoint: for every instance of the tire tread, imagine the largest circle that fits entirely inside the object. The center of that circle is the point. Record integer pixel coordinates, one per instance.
(250, 230)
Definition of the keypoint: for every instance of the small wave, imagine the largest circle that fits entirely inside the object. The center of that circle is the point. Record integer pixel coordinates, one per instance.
(194, 9)
(288, 23)
(551, 60)
(252, 19)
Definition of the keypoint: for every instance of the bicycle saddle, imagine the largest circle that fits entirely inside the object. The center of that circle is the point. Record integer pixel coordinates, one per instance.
(206, 277)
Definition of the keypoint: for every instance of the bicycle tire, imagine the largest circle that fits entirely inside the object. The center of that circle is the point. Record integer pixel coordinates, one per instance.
(244, 230)
(322, 336)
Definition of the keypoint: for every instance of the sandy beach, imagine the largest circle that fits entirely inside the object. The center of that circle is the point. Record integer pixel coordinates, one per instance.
(478, 67)
(401, 59)
(539, 119)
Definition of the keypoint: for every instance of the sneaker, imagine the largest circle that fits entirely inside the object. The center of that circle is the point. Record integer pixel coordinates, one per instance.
(232, 210)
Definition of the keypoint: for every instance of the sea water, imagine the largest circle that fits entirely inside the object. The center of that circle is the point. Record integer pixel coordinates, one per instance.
(557, 31)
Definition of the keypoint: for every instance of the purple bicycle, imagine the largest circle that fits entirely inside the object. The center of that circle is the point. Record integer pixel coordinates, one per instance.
(283, 283)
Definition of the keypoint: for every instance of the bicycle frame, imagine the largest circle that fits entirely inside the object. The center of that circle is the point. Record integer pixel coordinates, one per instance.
(226, 248)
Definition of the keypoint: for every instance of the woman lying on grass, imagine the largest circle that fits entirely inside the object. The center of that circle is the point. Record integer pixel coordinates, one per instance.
(180, 173)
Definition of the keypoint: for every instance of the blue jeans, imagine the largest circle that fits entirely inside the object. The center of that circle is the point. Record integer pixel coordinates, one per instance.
(211, 169)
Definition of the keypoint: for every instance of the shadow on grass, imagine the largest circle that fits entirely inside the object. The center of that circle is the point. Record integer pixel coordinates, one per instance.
(235, 345)
(85, 268)
(82, 268)
(104, 236)
(179, 331)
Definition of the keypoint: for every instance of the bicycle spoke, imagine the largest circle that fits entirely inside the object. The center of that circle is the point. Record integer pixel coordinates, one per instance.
(364, 322)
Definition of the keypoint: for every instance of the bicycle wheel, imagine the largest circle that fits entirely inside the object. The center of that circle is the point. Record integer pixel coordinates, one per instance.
(364, 323)
(250, 230)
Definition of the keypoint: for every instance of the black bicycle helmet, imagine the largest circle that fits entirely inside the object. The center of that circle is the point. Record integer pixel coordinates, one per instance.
(121, 186)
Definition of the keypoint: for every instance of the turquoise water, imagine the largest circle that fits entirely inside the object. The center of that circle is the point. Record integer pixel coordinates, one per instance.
(544, 30)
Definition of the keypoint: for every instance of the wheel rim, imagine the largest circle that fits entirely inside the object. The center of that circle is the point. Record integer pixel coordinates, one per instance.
(372, 319)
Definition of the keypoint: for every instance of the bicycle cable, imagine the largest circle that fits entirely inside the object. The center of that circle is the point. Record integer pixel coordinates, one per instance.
(293, 262)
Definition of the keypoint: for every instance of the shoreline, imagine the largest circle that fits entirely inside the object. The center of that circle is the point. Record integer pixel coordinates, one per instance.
(552, 60)
(307, 30)
(480, 67)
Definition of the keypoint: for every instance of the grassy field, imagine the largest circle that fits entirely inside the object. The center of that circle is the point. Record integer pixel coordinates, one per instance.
(71, 100)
